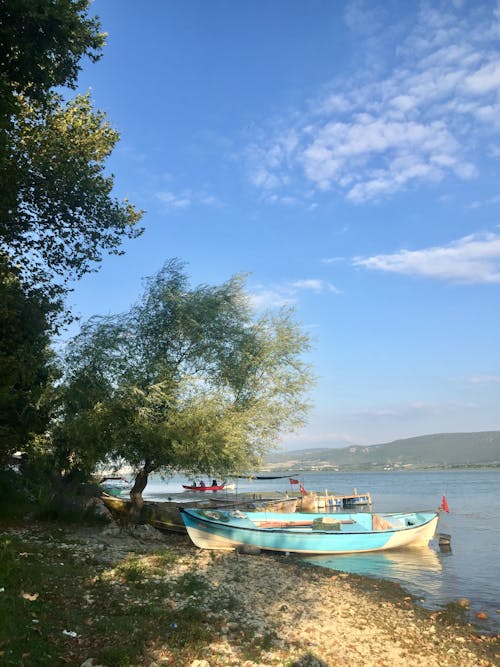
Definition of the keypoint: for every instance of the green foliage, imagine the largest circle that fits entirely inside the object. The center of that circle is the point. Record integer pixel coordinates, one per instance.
(25, 363)
(42, 43)
(59, 215)
(14, 500)
(57, 212)
(186, 380)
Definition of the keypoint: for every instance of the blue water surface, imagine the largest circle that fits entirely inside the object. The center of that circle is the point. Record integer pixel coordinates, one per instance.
(470, 569)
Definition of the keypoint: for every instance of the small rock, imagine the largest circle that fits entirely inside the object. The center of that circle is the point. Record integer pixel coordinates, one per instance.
(111, 530)
(482, 615)
(200, 663)
(90, 663)
(99, 509)
(248, 549)
(463, 602)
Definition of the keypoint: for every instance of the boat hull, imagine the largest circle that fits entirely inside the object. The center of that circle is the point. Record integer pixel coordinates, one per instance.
(166, 515)
(284, 532)
(219, 487)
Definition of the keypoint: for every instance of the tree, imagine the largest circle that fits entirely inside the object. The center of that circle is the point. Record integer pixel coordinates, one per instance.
(194, 382)
(63, 214)
(25, 363)
(57, 213)
(42, 43)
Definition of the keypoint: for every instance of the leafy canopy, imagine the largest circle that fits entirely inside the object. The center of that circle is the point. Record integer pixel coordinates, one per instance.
(60, 213)
(190, 380)
(42, 43)
(57, 211)
(25, 366)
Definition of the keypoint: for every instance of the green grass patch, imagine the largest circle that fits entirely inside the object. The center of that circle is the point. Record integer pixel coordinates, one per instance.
(53, 585)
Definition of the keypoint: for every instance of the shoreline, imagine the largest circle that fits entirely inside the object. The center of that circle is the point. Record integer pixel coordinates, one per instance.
(269, 610)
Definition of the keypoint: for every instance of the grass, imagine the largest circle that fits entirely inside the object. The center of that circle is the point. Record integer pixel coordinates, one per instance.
(49, 590)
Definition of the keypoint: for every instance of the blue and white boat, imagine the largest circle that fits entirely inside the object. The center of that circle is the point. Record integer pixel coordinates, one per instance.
(333, 533)
(115, 486)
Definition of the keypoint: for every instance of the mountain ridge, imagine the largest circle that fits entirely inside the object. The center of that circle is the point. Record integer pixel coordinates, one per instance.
(437, 450)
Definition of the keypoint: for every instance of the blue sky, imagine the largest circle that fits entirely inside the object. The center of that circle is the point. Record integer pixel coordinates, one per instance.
(345, 155)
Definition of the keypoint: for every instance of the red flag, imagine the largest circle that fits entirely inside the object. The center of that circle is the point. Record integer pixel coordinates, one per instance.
(294, 481)
(444, 505)
(303, 491)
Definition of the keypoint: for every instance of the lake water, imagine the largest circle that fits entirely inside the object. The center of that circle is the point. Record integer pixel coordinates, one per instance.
(471, 569)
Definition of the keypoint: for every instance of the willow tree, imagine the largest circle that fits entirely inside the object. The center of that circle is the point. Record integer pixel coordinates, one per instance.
(196, 382)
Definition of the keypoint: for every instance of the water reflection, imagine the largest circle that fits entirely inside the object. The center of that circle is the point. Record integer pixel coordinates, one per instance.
(416, 568)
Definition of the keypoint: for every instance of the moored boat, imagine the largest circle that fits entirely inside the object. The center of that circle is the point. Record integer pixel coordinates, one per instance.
(281, 505)
(166, 515)
(115, 486)
(161, 515)
(308, 533)
(213, 487)
(318, 502)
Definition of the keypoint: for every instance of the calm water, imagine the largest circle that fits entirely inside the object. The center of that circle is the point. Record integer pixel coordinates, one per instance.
(471, 569)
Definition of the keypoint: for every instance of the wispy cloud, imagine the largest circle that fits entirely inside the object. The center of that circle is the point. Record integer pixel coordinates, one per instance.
(174, 201)
(288, 293)
(186, 198)
(490, 201)
(315, 285)
(471, 259)
(484, 379)
(420, 122)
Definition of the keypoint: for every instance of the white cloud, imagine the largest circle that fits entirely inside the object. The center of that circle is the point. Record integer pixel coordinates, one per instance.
(471, 259)
(186, 199)
(288, 293)
(315, 285)
(265, 299)
(421, 122)
(173, 201)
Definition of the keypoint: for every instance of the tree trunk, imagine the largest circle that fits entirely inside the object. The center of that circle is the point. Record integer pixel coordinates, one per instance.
(136, 499)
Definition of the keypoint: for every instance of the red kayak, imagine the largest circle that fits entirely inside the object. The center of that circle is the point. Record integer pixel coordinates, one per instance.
(219, 487)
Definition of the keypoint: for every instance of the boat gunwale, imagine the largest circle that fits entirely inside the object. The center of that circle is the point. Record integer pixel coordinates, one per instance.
(317, 531)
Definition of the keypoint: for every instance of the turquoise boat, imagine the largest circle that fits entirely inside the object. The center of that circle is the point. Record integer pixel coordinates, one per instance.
(334, 533)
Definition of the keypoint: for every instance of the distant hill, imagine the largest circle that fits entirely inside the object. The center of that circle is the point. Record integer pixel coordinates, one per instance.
(441, 450)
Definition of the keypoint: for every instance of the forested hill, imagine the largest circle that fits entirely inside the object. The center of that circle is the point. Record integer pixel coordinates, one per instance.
(441, 450)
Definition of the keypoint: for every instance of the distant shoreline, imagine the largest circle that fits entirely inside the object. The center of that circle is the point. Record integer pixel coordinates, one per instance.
(408, 468)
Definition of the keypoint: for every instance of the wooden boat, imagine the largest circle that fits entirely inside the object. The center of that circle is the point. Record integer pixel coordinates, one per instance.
(281, 505)
(218, 487)
(114, 486)
(166, 515)
(335, 533)
(317, 502)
